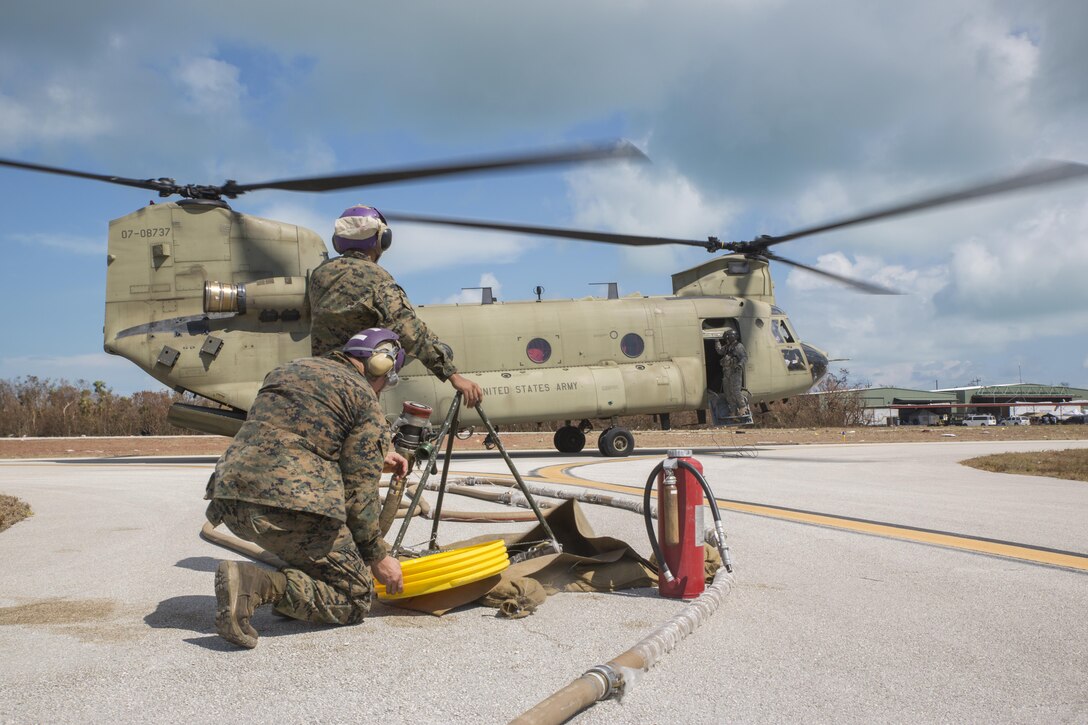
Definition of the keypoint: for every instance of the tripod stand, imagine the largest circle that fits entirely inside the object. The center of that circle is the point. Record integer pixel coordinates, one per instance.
(449, 425)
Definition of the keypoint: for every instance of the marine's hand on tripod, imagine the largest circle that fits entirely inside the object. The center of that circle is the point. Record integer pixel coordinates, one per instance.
(468, 388)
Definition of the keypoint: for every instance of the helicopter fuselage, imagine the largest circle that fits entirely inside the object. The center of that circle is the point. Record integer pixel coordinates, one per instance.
(208, 300)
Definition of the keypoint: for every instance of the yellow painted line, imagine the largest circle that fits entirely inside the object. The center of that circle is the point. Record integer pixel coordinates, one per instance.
(1068, 560)
(561, 472)
(558, 473)
(1010, 550)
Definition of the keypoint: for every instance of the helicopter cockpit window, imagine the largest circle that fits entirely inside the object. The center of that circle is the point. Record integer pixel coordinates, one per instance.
(632, 345)
(776, 330)
(781, 332)
(538, 350)
(794, 359)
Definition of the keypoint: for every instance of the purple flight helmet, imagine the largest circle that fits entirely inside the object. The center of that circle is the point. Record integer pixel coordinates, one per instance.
(381, 352)
(361, 227)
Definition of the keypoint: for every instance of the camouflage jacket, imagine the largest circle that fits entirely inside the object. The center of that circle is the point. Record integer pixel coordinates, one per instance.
(314, 440)
(734, 357)
(351, 293)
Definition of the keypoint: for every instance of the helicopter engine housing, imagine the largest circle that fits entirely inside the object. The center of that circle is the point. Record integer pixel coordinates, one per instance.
(160, 260)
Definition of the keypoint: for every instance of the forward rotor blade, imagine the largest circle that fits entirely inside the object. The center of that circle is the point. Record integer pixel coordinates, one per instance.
(867, 287)
(619, 150)
(1048, 173)
(152, 184)
(630, 240)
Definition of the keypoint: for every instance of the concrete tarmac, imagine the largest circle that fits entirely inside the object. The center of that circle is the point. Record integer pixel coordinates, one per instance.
(894, 608)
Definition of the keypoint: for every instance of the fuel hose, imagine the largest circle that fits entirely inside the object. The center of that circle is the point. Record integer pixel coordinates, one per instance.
(618, 675)
(391, 505)
(593, 497)
(615, 677)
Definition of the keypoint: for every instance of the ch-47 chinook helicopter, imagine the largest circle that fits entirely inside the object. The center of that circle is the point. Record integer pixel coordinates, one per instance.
(207, 300)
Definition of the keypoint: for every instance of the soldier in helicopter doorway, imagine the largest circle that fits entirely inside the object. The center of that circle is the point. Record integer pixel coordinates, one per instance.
(734, 359)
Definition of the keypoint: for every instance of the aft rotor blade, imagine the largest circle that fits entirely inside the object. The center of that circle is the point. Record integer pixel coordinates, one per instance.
(867, 287)
(1048, 173)
(630, 240)
(618, 150)
(152, 184)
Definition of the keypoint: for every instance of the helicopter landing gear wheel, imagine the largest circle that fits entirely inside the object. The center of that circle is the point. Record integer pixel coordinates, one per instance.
(569, 439)
(616, 443)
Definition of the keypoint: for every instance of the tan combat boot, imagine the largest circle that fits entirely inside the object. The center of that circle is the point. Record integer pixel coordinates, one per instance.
(239, 589)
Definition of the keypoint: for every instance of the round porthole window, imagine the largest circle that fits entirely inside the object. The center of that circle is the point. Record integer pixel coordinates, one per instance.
(538, 350)
(632, 345)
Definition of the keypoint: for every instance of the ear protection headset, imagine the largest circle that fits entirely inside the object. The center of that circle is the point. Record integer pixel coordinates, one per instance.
(382, 360)
(380, 352)
(385, 234)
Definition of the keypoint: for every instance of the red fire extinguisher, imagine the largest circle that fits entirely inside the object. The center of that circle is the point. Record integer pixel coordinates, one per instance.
(680, 527)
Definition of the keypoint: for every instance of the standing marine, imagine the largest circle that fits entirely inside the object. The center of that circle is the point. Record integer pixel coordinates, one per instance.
(300, 480)
(352, 292)
(734, 360)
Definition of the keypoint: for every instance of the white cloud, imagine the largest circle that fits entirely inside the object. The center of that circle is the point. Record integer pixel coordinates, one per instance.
(212, 86)
(924, 282)
(645, 201)
(66, 242)
(926, 375)
(914, 339)
(57, 112)
(1032, 270)
(474, 296)
(1007, 59)
(425, 247)
(299, 214)
(14, 122)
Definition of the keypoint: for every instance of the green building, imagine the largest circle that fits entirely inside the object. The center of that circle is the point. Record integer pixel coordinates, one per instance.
(905, 406)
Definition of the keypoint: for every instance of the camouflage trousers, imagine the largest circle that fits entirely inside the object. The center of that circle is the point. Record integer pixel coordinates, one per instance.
(733, 392)
(327, 580)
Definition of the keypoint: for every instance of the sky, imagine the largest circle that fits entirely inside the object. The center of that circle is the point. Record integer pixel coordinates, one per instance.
(760, 117)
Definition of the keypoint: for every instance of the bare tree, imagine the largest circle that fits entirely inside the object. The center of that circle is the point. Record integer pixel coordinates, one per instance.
(836, 402)
(33, 406)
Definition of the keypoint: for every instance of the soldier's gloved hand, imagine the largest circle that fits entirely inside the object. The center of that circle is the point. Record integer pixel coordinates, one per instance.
(388, 572)
(396, 464)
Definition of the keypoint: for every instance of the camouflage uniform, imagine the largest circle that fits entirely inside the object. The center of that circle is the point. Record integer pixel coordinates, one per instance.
(351, 293)
(734, 360)
(300, 480)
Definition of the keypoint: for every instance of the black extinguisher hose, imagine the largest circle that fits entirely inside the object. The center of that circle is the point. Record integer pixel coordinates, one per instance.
(719, 528)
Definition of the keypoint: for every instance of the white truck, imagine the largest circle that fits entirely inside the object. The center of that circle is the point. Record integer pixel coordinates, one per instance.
(979, 419)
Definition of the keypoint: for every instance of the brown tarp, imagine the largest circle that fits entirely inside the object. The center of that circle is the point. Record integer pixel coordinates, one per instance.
(588, 563)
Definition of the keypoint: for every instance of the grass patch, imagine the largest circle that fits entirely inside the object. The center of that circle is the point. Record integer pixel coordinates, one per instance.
(1071, 464)
(12, 511)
